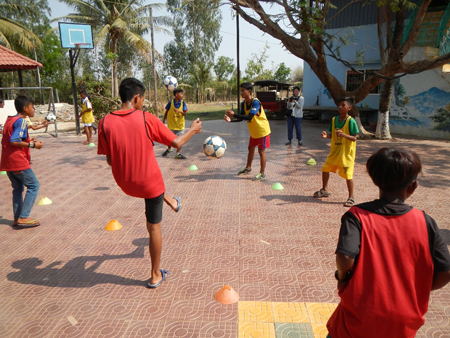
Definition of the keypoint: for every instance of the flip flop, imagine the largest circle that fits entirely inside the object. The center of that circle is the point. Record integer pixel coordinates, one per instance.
(29, 224)
(321, 193)
(178, 199)
(164, 274)
(350, 202)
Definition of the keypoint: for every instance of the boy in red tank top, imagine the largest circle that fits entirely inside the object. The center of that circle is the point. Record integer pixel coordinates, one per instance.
(389, 257)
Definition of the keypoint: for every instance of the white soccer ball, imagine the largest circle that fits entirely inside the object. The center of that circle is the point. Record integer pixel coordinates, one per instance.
(50, 117)
(214, 147)
(170, 83)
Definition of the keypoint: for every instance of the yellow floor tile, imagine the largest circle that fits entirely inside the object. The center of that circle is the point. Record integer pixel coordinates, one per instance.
(290, 313)
(256, 330)
(255, 312)
(319, 313)
(319, 330)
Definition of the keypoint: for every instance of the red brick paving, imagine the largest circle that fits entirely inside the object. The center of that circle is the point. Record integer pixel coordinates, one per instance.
(275, 246)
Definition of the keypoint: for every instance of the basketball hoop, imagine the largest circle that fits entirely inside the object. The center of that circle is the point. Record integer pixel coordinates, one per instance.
(80, 45)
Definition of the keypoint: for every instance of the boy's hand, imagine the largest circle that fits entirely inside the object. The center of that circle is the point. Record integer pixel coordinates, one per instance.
(196, 126)
(229, 113)
(339, 133)
(39, 145)
(227, 118)
(324, 134)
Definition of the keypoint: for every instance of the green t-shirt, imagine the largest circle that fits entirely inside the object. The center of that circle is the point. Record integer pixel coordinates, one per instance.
(353, 127)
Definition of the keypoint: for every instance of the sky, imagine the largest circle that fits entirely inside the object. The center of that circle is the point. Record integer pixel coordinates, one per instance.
(252, 39)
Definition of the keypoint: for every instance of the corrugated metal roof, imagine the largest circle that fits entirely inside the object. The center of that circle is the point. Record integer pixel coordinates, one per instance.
(357, 14)
(10, 60)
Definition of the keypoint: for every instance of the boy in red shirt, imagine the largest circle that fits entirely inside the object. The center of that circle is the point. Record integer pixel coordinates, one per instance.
(389, 257)
(15, 160)
(127, 139)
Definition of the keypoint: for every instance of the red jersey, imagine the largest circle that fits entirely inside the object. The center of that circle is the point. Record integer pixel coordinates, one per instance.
(128, 136)
(391, 284)
(13, 158)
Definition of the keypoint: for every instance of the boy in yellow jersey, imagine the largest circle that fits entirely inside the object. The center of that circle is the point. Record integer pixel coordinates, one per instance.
(176, 111)
(258, 126)
(342, 131)
(87, 116)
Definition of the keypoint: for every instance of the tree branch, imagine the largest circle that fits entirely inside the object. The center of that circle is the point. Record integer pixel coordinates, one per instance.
(339, 12)
(412, 36)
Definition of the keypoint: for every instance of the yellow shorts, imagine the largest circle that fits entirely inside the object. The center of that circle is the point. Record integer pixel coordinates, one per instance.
(344, 172)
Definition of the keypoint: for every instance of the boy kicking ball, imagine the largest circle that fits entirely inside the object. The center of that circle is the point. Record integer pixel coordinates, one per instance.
(127, 139)
(342, 132)
(258, 127)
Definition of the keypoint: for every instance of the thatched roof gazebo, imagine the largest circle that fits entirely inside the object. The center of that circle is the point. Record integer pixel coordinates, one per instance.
(11, 61)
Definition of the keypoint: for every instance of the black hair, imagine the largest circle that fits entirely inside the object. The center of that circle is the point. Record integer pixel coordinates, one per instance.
(129, 88)
(393, 169)
(349, 99)
(1, 100)
(177, 90)
(247, 86)
(21, 102)
(82, 91)
(296, 87)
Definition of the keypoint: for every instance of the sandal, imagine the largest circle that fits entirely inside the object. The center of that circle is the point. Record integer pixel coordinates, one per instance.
(321, 193)
(164, 274)
(178, 199)
(350, 202)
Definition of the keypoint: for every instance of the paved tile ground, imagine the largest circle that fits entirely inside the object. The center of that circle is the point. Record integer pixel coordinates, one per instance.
(71, 278)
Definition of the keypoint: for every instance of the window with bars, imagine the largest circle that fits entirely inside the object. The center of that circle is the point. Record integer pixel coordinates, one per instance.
(355, 79)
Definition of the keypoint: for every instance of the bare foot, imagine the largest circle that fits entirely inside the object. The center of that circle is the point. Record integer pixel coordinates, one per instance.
(171, 202)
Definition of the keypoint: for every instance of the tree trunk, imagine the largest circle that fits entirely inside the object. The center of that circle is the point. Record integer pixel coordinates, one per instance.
(114, 79)
(383, 131)
(363, 133)
(155, 89)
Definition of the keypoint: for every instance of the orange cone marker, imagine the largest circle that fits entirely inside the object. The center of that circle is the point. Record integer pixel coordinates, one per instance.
(113, 225)
(227, 295)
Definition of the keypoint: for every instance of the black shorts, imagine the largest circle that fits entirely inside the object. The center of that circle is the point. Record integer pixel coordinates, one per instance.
(153, 209)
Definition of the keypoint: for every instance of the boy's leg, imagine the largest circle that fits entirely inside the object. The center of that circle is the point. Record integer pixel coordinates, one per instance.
(30, 181)
(250, 156)
(155, 247)
(153, 212)
(18, 188)
(263, 159)
(325, 179)
(88, 134)
(350, 188)
(171, 202)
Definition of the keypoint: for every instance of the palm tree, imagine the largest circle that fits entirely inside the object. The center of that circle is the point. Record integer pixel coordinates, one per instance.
(114, 21)
(201, 74)
(12, 31)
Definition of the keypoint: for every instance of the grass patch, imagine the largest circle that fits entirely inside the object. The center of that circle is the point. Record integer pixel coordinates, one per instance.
(207, 111)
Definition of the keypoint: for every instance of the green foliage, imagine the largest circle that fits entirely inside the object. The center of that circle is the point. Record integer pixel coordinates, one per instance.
(283, 73)
(442, 117)
(223, 68)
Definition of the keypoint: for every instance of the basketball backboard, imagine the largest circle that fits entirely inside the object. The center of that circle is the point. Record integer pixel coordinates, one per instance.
(75, 33)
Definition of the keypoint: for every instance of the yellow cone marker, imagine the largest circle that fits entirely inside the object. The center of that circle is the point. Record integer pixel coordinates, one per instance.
(113, 225)
(277, 186)
(91, 145)
(2, 172)
(193, 167)
(44, 201)
(311, 161)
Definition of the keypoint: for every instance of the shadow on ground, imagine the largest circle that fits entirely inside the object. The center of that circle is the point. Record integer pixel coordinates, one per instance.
(74, 273)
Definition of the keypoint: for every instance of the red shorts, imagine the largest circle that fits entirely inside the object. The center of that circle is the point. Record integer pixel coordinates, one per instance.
(262, 142)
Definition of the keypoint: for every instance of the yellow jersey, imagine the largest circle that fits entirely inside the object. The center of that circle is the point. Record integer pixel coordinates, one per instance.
(342, 151)
(175, 121)
(258, 126)
(89, 116)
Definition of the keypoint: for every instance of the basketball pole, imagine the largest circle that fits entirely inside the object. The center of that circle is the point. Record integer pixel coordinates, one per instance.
(73, 61)
(238, 63)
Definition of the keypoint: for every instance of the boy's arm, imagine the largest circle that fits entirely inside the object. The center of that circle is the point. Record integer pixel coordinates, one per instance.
(340, 133)
(343, 263)
(108, 159)
(196, 127)
(440, 279)
(165, 116)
